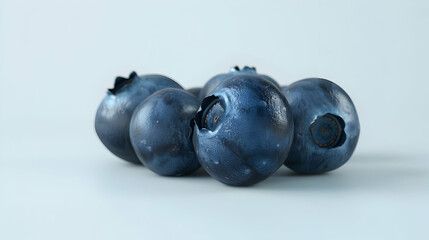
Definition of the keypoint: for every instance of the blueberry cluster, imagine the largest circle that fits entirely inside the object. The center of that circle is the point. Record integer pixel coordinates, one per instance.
(240, 127)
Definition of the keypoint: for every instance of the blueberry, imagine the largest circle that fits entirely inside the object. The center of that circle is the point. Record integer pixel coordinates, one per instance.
(326, 126)
(194, 91)
(243, 130)
(234, 71)
(160, 132)
(114, 113)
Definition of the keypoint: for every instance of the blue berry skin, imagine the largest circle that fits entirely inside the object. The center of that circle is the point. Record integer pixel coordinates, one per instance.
(243, 131)
(326, 126)
(113, 116)
(234, 71)
(160, 132)
(194, 91)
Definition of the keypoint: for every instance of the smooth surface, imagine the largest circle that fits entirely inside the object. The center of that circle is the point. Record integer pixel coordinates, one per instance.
(160, 132)
(374, 196)
(113, 117)
(309, 101)
(57, 181)
(243, 132)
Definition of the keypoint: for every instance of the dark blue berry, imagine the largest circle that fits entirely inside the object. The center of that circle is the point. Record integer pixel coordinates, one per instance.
(326, 126)
(234, 71)
(114, 113)
(243, 130)
(160, 132)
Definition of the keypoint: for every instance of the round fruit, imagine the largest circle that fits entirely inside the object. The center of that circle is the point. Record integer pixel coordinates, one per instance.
(326, 126)
(234, 71)
(243, 130)
(160, 132)
(114, 113)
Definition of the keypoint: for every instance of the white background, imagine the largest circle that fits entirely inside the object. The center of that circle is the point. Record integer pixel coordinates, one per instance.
(57, 58)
